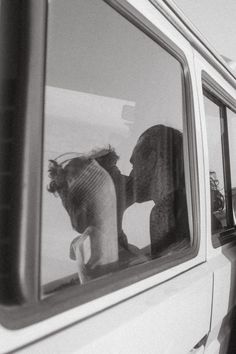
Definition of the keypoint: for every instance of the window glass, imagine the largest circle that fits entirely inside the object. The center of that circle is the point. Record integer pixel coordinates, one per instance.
(114, 175)
(216, 172)
(231, 118)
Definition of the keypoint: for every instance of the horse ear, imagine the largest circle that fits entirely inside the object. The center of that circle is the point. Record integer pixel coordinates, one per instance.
(56, 174)
(53, 168)
(53, 163)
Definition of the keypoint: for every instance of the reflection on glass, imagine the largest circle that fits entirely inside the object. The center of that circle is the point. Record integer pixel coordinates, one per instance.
(113, 147)
(216, 173)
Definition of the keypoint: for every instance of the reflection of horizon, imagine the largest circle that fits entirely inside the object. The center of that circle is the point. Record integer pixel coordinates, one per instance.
(74, 106)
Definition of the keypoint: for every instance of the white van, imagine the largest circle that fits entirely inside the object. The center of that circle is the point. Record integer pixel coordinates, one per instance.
(118, 180)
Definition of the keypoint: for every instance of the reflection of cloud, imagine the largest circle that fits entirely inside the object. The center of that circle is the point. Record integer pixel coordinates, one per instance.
(74, 107)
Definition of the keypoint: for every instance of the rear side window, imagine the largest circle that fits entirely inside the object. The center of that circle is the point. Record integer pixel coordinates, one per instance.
(114, 189)
(220, 123)
(232, 149)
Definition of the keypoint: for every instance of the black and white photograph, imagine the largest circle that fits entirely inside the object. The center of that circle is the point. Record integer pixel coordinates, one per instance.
(117, 177)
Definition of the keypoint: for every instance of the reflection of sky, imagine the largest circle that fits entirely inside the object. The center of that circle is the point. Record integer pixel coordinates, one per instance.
(75, 107)
(78, 121)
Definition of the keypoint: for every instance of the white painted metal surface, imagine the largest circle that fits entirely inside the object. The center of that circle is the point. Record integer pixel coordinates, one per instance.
(166, 319)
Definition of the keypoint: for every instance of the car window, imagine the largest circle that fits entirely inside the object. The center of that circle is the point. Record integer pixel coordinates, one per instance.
(114, 189)
(216, 172)
(220, 120)
(232, 152)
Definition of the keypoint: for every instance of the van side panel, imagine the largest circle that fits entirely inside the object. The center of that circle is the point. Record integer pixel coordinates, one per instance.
(223, 265)
(165, 319)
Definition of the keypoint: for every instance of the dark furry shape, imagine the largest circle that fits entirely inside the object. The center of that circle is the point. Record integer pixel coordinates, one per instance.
(57, 175)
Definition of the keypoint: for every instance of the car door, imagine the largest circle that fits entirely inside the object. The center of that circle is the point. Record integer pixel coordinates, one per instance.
(117, 72)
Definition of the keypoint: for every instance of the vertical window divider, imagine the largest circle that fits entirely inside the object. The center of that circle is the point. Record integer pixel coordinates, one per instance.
(226, 163)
